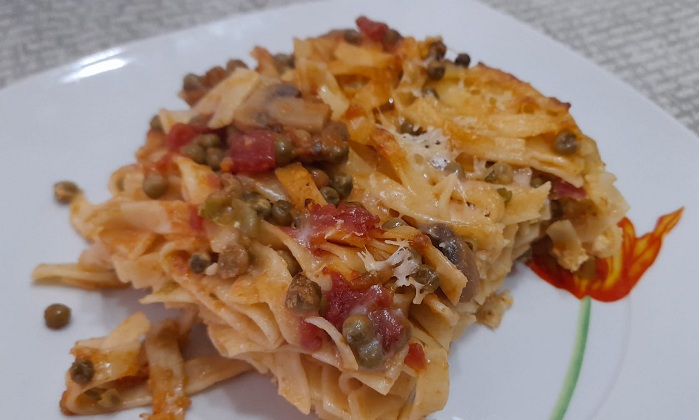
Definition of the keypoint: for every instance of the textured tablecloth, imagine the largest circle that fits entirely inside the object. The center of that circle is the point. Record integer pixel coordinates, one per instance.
(651, 44)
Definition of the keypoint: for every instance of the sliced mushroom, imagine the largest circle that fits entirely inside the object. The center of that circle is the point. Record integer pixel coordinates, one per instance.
(280, 105)
(459, 253)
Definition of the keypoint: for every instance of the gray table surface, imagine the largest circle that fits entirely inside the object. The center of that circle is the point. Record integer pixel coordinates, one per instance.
(651, 44)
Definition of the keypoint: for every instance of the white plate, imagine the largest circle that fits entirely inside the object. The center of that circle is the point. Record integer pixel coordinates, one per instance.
(82, 121)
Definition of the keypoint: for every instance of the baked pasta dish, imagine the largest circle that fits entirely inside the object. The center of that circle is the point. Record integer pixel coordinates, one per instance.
(336, 218)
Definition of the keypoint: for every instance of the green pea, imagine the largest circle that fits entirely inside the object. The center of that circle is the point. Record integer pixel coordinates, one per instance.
(436, 69)
(281, 213)
(155, 123)
(215, 205)
(500, 173)
(191, 82)
(199, 262)
(393, 223)
(82, 371)
(236, 63)
(303, 295)
(536, 182)
(227, 217)
(331, 195)
(233, 261)
(463, 60)
(194, 152)
(214, 156)
(283, 150)
(566, 143)
(155, 185)
(65, 191)
(208, 140)
(357, 330)
(370, 355)
(214, 76)
(455, 167)
(390, 38)
(505, 194)
(57, 316)
(352, 36)
(428, 277)
(320, 177)
(261, 205)
(291, 264)
(437, 49)
(338, 153)
(342, 183)
(245, 217)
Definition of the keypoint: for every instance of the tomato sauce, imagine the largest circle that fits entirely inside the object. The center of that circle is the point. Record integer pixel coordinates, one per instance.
(371, 29)
(416, 358)
(560, 188)
(196, 222)
(252, 152)
(613, 278)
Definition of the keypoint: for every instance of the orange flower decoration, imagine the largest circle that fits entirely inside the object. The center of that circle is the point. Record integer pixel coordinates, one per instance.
(609, 279)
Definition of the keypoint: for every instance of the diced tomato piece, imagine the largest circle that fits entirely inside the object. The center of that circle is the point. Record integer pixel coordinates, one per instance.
(180, 135)
(349, 218)
(253, 151)
(416, 358)
(372, 29)
(564, 189)
(312, 229)
(341, 299)
(388, 326)
(311, 336)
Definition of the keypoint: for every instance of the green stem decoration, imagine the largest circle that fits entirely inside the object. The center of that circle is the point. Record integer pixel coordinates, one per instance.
(576, 361)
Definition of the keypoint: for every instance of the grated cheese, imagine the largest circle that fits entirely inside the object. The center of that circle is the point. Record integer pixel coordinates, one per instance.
(402, 264)
(432, 145)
